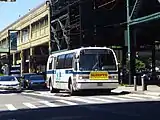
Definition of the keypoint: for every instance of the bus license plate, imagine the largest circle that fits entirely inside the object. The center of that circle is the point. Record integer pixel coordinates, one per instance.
(98, 75)
(99, 84)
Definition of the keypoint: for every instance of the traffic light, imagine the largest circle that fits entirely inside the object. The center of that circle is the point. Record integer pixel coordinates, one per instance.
(8, 0)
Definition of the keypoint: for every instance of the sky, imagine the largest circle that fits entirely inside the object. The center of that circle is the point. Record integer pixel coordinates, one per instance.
(10, 11)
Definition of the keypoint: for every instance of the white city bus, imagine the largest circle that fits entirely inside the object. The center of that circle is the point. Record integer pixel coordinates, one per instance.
(85, 68)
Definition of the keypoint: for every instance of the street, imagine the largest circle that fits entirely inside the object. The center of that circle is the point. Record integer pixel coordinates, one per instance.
(43, 105)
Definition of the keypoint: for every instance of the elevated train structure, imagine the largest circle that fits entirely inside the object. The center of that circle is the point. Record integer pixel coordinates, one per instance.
(76, 23)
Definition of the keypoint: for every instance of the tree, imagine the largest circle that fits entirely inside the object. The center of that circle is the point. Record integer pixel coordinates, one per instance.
(139, 64)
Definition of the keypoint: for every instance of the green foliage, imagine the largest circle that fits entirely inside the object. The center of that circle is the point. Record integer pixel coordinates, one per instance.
(1, 74)
(138, 64)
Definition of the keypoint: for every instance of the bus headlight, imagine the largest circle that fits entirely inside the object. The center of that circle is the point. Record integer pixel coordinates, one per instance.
(83, 77)
(113, 77)
(80, 77)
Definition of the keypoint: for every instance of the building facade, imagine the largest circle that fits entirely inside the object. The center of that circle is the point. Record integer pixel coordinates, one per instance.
(33, 40)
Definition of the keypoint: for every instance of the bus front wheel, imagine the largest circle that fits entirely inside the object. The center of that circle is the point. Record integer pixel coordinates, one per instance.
(52, 90)
(51, 87)
(71, 90)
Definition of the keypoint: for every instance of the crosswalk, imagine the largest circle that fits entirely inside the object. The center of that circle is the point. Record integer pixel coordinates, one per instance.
(58, 101)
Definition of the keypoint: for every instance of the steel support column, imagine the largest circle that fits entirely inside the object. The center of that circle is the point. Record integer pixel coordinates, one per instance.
(128, 40)
(9, 53)
(153, 61)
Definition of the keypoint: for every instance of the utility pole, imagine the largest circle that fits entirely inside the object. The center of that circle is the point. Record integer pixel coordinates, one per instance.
(9, 53)
(49, 22)
(128, 41)
(132, 22)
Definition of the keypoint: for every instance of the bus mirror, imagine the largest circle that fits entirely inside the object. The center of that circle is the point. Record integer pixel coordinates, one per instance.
(77, 60)
(77, 57)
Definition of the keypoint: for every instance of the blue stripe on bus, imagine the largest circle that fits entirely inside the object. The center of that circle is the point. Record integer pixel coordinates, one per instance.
(72, 72)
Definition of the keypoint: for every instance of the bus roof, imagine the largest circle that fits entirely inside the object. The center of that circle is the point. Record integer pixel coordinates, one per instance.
(65, 51)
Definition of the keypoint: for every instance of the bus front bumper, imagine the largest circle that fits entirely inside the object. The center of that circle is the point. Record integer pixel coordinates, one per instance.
(95, 85)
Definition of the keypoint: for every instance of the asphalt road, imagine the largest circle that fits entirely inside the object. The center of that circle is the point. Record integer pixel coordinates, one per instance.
(42, 105)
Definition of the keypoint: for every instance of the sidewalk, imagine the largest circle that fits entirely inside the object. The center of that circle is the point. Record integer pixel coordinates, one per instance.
(152, 90)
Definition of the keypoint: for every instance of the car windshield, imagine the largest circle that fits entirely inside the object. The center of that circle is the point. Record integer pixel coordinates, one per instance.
(36, 77)
(7, 78)
(97, 60)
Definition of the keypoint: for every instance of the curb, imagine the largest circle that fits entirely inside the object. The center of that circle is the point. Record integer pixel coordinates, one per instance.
(146, 93)
(152, 93)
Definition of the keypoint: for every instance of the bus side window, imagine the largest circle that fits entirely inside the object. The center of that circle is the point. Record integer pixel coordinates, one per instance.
(54, 63)
(69, 60)
(60, 62)
(50, 63)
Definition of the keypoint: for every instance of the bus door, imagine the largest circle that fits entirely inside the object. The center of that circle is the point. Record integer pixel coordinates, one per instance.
(68, 71)
(53, 70)
(59, 70)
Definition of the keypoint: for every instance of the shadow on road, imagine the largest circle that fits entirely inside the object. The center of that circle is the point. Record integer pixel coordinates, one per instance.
(35, 90)
(112, 111)
(9, 92)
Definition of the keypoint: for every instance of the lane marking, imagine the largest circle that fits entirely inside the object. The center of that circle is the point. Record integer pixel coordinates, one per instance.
(48, 103)
(146, 96)
(29, 105)
(101, 99)
(67, 102)
(42, 95)
(10, 107)
(83, 100)
(133, 97)
(115, 98)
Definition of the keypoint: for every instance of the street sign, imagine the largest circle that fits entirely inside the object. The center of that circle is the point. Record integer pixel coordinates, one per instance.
(13, 40)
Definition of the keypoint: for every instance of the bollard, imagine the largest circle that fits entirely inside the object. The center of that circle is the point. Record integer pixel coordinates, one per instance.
(135, 84)
(143, 84)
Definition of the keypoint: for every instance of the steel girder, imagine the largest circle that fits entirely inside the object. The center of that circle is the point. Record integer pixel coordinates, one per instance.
(59, 32)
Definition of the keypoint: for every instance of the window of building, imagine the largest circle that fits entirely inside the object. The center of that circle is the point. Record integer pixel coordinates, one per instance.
(25, 34)
(18, 39)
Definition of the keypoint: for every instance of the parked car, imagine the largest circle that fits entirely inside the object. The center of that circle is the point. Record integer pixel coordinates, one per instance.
(25, 78)
(10, 83)
(36, 81)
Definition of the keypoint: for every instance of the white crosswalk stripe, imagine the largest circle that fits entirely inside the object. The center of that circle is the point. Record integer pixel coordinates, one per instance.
(29, 105)
(67, 102)
(79, 100)
(85, 100)
(145, 96)
(10, 107)
(48, 103)
(115, 98)
(133, 97)
(101, 99)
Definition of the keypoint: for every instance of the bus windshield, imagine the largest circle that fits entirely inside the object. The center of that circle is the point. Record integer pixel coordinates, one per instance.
(94, 59)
